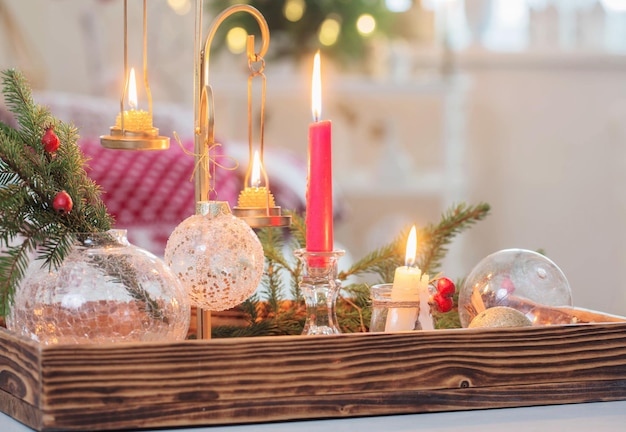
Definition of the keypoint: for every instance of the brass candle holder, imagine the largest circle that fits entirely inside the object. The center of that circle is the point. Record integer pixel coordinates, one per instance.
(256, 205)
(133, 129)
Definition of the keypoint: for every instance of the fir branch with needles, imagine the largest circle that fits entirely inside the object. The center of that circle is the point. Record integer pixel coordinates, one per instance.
(438, 237)
(433, 242)
(30, 178)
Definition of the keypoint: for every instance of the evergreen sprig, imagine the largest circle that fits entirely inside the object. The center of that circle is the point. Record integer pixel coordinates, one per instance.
(273, 314)
(30, 178)
(433, 242)
(438, 237)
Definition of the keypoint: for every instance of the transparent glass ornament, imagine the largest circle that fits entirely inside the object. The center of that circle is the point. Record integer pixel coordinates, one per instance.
(106, 290)
(217, 256)
(518, 278)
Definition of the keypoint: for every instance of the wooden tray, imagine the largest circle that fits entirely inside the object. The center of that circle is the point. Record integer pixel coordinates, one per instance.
(248, 380)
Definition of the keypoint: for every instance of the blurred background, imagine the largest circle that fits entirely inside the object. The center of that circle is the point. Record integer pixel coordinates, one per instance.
(518, 103)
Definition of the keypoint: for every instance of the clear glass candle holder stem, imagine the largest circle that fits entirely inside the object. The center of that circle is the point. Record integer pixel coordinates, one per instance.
(320, 288)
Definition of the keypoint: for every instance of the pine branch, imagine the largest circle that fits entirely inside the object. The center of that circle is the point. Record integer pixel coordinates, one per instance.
(382, 262)
(297, 229)
(30, 178)
(13, 264)
(273, 241)
(438, 237)
(123, 272)
(432, 241)
(17, 95)
(354, 308)
(250, 307)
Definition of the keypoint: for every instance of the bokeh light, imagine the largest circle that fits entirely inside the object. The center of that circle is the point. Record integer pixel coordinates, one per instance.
(180, 7)
(329, 31)
(294, 10)
(398, 6)
(366, 24)
(236, 40)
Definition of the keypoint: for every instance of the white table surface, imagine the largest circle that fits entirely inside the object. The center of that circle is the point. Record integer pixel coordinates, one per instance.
(592, 417)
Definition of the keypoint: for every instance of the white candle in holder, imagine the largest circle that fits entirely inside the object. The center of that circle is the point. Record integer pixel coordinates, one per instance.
(409, 286)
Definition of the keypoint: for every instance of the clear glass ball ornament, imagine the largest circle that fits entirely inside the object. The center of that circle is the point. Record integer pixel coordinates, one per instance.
(518, 278)
(217, 256)
(105, 290)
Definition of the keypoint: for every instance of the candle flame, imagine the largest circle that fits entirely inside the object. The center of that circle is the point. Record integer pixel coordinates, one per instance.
(255, 178)
(316, 92)
(411, 248)
(132, 90)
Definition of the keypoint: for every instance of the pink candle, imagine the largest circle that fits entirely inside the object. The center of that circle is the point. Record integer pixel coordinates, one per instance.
(319, 196)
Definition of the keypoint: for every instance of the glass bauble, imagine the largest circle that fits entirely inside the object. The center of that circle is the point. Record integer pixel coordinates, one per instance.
(105, 290)
(517, 278)
(217, 256)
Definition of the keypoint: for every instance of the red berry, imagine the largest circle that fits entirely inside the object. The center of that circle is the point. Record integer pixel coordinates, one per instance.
(50, 140)
(445, 287)
(62, 203)
(444, 304)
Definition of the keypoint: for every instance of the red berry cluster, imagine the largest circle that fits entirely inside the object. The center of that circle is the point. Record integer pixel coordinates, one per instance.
(62, 201)
(443, 297)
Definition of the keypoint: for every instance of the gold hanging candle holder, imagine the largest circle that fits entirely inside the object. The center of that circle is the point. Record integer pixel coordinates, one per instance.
(133, 128)
(256, 204)
(259, 208)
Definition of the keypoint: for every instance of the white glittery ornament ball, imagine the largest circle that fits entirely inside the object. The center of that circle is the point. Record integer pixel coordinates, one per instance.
(217, 256)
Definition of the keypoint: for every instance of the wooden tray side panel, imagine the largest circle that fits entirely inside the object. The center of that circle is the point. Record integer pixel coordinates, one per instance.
(284, 378)
(334, 406)
(20, 379)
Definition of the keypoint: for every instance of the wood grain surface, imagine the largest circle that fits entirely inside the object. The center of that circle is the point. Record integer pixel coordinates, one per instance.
(246, 380)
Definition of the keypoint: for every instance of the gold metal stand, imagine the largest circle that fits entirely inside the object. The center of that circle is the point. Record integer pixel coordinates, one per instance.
(204, 113)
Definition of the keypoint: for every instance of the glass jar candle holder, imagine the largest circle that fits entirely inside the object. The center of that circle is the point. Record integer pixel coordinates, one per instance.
(392, 315)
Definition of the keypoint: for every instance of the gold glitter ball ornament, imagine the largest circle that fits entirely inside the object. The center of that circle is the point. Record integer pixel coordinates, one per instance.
(217, 256)
(500, 316)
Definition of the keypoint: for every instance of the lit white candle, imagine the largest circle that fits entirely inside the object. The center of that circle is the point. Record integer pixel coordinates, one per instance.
(409, 285)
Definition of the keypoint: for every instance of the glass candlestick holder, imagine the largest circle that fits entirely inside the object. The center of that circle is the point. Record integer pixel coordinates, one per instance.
(320, 287)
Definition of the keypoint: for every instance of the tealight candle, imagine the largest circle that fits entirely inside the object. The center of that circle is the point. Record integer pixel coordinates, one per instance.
(134, 120)
(410, 285)
(255, 195)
